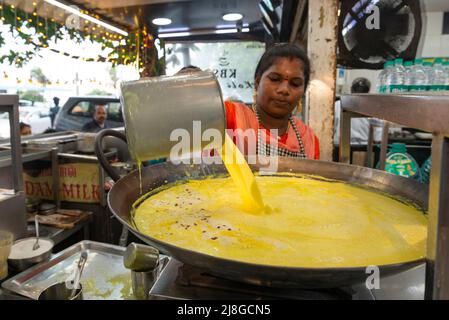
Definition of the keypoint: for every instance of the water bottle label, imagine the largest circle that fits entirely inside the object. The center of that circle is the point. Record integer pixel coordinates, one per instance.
(397, 88)
(401, 165)
(439, 88)
(418, 88)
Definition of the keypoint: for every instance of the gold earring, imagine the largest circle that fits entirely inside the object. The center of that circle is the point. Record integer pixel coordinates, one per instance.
(254, 96)
(299, 107)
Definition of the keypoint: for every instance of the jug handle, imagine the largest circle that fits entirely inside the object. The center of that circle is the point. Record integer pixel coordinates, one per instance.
(100, 154)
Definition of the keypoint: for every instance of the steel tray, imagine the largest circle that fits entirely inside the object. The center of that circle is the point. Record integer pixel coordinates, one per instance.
(104, 276)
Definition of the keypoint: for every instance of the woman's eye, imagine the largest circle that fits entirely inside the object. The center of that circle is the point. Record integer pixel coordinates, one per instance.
(274, 78)
(297, 83)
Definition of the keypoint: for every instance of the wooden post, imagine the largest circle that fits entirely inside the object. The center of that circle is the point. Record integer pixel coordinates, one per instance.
(322, 51)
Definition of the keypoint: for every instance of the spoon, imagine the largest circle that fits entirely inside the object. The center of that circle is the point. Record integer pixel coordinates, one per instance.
(36, 223)
(79, 271)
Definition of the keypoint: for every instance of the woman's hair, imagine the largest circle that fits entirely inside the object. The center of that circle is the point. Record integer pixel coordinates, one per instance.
(283, 50)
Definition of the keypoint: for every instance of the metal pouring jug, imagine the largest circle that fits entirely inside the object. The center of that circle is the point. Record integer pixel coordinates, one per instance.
(154, 107)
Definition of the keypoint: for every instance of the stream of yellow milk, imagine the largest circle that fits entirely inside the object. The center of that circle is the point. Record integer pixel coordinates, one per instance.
(240, 173)
(242, 176)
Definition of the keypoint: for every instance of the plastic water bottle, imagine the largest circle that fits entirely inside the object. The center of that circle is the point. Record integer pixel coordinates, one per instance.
(438, 76)
(446, 71)
(419, 78)
(381, 88)
(390, 77)
(428, 70)
(401, 163)
(397, 76)
(425, 170)
(408, 75)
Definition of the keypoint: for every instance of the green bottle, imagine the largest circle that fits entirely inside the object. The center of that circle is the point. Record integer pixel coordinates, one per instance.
(425, 170)
(400, 163)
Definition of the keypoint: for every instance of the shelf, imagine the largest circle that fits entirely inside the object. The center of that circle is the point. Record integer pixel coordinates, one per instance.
(5, 157)
(427, 112)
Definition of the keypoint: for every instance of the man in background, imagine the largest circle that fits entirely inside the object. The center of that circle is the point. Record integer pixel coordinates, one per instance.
(98, 122)
(359, 126)
(54, 110)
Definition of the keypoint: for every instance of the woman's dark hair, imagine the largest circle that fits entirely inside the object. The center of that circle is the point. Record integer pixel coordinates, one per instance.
(283, 50)
(190, 68)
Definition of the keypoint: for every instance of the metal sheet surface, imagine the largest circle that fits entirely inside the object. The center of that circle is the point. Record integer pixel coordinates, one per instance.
(104, 276)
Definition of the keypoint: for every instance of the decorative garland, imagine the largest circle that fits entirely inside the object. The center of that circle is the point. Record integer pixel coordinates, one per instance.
(136, 49)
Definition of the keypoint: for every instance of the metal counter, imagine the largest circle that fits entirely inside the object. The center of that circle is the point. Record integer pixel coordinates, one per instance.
(427, 112)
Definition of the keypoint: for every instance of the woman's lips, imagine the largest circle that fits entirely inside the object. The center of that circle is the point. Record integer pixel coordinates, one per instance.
(282, 103)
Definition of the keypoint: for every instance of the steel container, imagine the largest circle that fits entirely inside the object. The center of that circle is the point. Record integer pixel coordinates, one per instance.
(154, 107)
(25, 263)
(61, 291)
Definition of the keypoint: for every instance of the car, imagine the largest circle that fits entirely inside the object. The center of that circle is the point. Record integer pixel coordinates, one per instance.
(25, 103)
(38, 118)
(77, 111)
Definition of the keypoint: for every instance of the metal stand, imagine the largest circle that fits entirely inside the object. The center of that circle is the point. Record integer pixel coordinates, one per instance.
(429, 113)
(12, 207)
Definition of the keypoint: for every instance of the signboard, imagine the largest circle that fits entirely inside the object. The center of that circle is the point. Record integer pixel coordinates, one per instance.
(233, 63)
(78, 182)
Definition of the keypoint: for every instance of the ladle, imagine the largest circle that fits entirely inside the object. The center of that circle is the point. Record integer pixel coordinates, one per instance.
(36, 223)
(79, 271)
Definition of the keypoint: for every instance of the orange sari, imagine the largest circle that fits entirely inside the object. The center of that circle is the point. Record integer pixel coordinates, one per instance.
(239, 116)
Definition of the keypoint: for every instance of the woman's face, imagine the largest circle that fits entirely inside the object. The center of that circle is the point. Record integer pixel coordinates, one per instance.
(280, 87)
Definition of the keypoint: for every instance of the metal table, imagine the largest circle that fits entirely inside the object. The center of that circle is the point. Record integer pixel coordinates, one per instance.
(427, 112)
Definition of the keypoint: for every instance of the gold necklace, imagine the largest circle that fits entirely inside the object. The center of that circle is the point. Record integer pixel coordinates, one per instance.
(260, 121)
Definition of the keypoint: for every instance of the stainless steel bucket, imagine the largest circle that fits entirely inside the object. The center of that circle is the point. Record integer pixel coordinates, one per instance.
(154, 107)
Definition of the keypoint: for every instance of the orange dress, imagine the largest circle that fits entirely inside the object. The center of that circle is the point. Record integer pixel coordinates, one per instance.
(239, 116)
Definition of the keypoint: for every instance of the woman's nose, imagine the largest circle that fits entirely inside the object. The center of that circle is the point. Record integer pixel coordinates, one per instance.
(283, 88)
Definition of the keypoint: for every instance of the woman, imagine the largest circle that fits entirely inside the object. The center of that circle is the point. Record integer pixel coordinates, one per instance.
(281, 78)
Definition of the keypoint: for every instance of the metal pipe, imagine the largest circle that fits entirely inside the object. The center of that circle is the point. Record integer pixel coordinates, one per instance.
(369, 152)
(345, 136)
(10, 104)
(55, 176)
(437, 268)
(384, 145)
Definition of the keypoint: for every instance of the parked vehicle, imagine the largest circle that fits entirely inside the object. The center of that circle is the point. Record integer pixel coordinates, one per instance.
(25, 103)
(38, 118)
(77, 111)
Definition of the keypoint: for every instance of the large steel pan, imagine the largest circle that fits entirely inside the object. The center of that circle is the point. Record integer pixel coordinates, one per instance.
(127, 190)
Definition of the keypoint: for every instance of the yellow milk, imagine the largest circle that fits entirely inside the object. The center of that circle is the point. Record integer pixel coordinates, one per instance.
(313, 223)
(242, 176)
